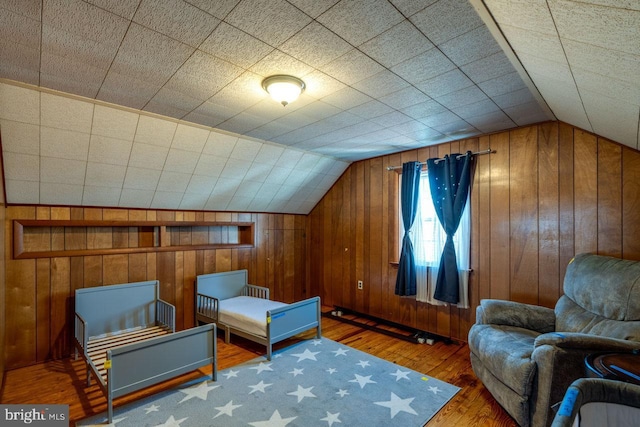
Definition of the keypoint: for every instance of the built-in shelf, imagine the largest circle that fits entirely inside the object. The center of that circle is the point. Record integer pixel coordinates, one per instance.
(62, 238)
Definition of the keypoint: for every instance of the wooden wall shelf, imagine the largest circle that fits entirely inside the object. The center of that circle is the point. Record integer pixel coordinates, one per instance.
(65, 238)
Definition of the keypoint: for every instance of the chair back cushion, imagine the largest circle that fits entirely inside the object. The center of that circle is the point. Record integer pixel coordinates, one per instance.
(601, 296)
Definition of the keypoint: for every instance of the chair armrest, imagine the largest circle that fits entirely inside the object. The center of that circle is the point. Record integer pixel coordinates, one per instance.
(588, 342)
(511, 313)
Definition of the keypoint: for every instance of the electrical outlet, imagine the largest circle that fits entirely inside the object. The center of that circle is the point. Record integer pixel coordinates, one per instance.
(360, 284)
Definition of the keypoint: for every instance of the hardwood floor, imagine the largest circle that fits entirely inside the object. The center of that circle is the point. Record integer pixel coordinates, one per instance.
(64, 381)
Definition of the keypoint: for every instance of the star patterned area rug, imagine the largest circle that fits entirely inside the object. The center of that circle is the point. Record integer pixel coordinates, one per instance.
(312, 383)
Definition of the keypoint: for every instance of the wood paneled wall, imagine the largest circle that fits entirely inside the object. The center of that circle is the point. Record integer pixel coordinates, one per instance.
(548, 192)
(40, 292)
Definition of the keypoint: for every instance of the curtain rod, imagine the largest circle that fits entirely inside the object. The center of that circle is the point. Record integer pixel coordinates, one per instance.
(487, 151)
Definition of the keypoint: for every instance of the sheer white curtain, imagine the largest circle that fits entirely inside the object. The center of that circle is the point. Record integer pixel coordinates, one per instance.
(428, 238)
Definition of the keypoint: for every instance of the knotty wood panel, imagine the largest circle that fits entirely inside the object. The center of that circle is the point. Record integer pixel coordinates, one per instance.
(548, 192)
(39, 293)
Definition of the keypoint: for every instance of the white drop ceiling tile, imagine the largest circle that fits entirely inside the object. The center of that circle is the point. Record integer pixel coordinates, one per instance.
(526, 114)
(399, 43)
(278, 175)
(410, 7)
(289, 158)
(220, 144)
(30, 9)
(597, 25)
(235, 169)
(100, 196)
(149, 56)
(62, 43)
(478, 108)
(21, 167)
(268, 190)
(141, 179)
(503, 84)
(239, 203)
(173, 181)
(371, 109)
(313, 8)
(562, 100)
(528, 14)
(381, 84)
(453, 128)
(193, 201)
(176, 19)
(278, 62)
(132, 198)
(62, 171)
(155, 131)
(318, 84)
(148, 156)
(488, 68)
(109, 150)
(166, 200)
(20, 137)
(491, 122)
(235, 46)
(359, 21)
(440, 118)
(120, 8)
(468, 95)
(114, 123)
(246, 149)
(210, 165)
(270, 130)
(470, 47)
(171, 103)
(520, 96)
(613, 118)
(404, 98)
(269, 154)
(68, 75)
(424, 109)
(190, 138)
(534, 43)
(64, 144)
(217, 203)
(443, 84)
(104, 175)
(19, 104)
(181, 161)
(390, 119)
(315, 45)
(201, 184)
(607, 86)
(424, 66)
(60, 194)
(548, 70)
(23, 192)
(346, 98)
(66, 113)
(24, 65)
(352, 67)
(194, 78)
(248, 189)
(259, 204)
(199, 117)
(446, 19)
(272, 21)
(241, 93)
(242, 123)
(126, 91)
(19, 28)
(226, 187)
(618, 65)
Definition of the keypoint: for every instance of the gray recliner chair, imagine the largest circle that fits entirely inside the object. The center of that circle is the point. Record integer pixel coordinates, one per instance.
(527, 355)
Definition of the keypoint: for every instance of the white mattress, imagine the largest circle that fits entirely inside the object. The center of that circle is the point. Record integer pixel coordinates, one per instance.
(248, 314)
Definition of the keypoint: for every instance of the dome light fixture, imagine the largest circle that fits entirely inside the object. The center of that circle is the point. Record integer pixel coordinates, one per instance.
(283, 88)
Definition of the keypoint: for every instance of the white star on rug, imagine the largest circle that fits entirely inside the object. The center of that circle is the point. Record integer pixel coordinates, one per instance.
(262, 367)
(397, 405)
(434, 389)
(316, 342)
(230, 374)
(332, 371)
(331, 418)
(340, 352)
(363, 381)
(342, 392)
(226, 409)
(258, 387)
(152, 408)
(200, 391)
(172, 422)
(302, 392)
(310, 355)
(296, 372)
(275, 421)
(401, 374)
(363, 363)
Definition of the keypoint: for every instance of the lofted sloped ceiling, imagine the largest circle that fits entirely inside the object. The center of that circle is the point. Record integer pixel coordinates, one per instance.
(159, 104)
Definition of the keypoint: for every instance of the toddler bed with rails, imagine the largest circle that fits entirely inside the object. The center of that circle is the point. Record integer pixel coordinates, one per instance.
(126, 335)
(239, 308)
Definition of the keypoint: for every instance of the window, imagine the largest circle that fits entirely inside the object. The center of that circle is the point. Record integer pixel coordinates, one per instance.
(428, 239)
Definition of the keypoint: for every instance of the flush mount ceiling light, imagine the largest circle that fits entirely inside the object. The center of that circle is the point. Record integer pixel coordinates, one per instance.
(284, 89)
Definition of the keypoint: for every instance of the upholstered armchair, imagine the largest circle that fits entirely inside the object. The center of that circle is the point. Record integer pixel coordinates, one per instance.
(527, 355)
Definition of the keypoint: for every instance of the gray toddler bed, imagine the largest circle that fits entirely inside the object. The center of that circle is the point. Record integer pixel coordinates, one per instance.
(125, 334)
(239, 308)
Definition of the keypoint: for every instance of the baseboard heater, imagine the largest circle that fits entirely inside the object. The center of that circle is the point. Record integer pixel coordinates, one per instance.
(380, 325)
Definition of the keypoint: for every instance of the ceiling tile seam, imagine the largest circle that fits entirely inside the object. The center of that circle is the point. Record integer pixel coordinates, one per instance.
(135, 132)
(494, 28)
(564, 52)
